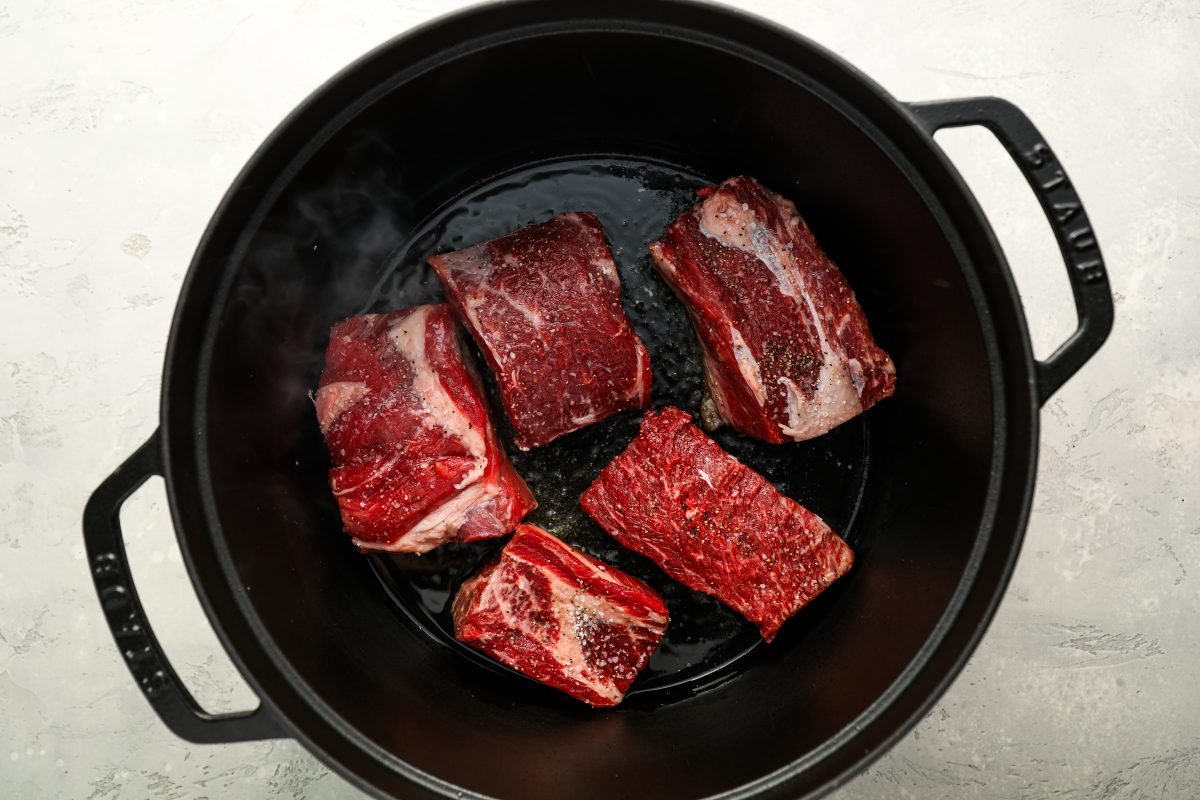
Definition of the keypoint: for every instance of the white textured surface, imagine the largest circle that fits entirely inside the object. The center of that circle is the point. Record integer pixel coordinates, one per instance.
(122, 122)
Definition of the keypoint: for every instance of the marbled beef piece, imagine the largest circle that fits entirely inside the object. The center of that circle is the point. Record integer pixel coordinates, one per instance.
(561, 617)
(714, 524)
(544, 304)
(788, 354)
(416, 459)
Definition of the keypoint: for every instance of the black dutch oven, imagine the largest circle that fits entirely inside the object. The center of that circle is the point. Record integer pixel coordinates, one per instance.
(500, 116)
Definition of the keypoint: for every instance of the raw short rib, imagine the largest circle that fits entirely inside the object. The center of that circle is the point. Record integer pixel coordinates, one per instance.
(544, 304)
(561, 617)
(416, 460)
(714, 524)
(788, 354)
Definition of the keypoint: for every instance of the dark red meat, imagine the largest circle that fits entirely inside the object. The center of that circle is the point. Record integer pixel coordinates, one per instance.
(714, 524)
(544, 304)
(787, 350)
(416, 459)
(561, 617)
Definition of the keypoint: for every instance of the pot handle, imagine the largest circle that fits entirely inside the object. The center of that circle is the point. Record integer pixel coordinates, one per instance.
(130, 627)
(1064, 211)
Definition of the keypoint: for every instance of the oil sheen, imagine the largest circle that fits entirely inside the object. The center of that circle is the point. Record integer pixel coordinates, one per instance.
(635, 200)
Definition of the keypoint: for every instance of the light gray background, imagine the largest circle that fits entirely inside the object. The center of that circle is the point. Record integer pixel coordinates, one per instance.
(123, 121)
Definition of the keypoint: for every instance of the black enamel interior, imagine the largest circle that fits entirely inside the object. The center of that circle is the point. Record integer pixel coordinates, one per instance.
(377, 695)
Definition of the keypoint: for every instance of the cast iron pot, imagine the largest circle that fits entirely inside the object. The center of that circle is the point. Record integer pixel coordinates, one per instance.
(384, 164)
